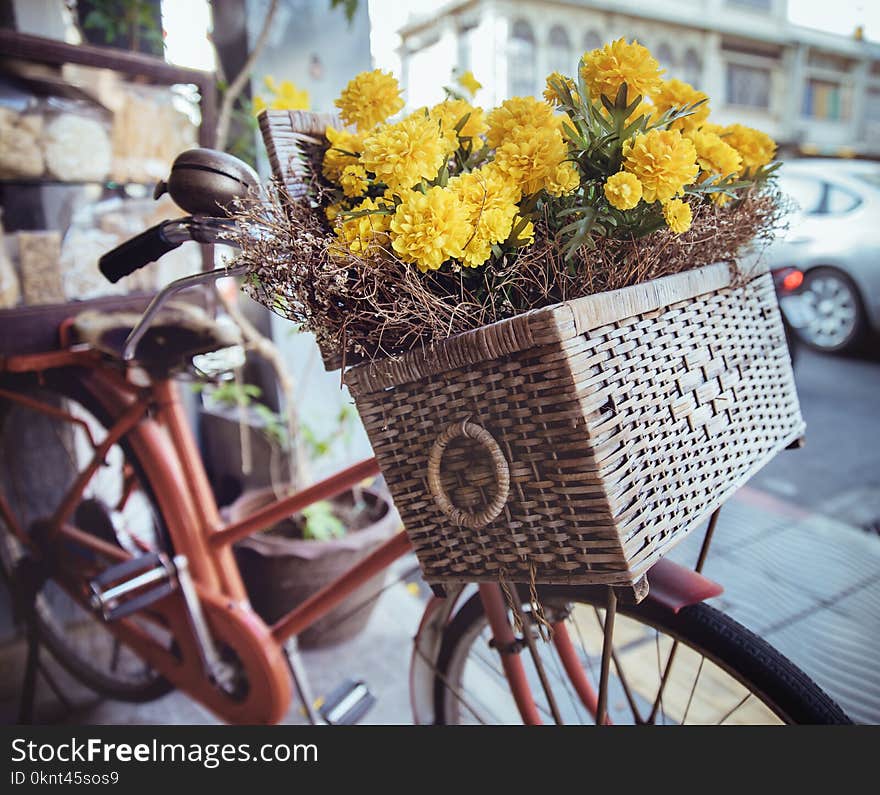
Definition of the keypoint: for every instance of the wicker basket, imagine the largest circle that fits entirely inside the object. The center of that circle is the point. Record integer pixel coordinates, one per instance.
(579, 442)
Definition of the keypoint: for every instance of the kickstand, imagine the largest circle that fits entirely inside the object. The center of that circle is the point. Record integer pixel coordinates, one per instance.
(27, 581)
(301, 681)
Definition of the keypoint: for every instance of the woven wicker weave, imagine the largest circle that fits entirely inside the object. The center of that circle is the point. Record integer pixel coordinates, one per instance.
(575, 443)
(578, 443)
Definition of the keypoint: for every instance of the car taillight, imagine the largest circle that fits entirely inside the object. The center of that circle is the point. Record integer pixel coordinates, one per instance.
(788, 279)
(793, 279)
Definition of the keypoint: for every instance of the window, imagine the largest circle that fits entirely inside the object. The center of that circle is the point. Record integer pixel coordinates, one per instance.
(756, 5)
(693, 68)
(559, 57)
(523, 69)
(817, 197)
(872, 106)
(748, 86)
(664, 56)
(465, 36)
(838, 200)
(805, 192)
(592, 41)
(824, 99)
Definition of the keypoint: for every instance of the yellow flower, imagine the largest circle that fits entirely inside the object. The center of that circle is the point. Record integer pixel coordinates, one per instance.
(365, 234)
(550, 94)
(429, 229)
(489, 201)
(531, 159)
(403, 154)
(336, 158)
(678, 215)
(469, 82)
(565, 179)
(663, 161)
(677, 94)
(332, 211)
(605, 69)
(449, 115)
(354, 181)
(514, 117)
(285, 96)
(369, 99)
(755, 147)
(714, 154)
(623, 190)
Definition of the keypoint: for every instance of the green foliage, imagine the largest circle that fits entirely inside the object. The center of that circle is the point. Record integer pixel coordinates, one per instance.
(321, 524)
(349, 6)
(121, 20)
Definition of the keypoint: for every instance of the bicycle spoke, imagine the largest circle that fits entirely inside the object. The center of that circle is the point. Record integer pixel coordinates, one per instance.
(693, 690)
(659, 699)
(745, 698)
(627, 691)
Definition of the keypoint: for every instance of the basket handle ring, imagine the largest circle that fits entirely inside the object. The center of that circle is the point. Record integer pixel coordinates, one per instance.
(468, 430)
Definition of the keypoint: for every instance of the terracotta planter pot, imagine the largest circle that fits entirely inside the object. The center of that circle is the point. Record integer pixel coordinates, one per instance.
(281, 573)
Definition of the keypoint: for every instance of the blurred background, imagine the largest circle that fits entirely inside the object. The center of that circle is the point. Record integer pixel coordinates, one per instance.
(805, 71)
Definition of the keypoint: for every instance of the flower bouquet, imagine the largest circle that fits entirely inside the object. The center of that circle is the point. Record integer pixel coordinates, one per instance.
(562, 367)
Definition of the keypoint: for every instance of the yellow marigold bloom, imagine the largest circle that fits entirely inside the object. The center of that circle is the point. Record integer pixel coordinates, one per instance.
(489, 200)
(678, 215)
(468, 82)
(663, 161)
(332, 211)
(677, 94)
(623, 190)
(336, 158)
(512, 119)
(354, 181)
(711, 127)
(285, 96)
(449, 114)
(403, 154)
(486, 187)
(550, 94)
(429, 229)
(531, 159)
(369, 99)
(365, 234)
(714, 154)
(755, 147)
(605, 69)
(563, 180)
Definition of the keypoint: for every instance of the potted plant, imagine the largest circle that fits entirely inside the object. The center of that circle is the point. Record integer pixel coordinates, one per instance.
(285, 564)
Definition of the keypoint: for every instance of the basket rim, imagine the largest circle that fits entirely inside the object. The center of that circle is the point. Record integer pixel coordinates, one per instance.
(555, 323)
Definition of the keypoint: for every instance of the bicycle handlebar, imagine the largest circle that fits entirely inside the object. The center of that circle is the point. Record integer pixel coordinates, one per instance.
(139, 251)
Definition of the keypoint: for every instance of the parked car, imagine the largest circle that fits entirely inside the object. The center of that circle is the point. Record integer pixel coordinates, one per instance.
(834, 241)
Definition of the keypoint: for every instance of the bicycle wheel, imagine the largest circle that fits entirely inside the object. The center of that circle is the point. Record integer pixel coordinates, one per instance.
(720, 671)
(117, 506)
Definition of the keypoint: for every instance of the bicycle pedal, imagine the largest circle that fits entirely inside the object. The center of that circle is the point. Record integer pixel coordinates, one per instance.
(130, 586)
(348, 703)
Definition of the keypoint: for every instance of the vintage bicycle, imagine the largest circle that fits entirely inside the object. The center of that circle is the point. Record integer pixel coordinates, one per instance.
(129, 578)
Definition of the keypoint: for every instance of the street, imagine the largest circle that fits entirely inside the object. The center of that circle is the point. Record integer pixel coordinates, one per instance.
(837, 472)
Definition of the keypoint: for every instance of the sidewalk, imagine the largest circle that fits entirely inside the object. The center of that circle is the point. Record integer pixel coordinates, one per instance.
(808, 584)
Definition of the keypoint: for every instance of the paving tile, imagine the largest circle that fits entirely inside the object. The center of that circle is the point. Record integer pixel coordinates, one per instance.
(840, 653)
(817, 555)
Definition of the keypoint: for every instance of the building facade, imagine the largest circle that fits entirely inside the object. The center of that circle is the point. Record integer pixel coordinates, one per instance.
(814, 92)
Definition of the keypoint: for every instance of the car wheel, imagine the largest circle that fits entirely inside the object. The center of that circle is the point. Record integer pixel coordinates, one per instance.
(834, 315)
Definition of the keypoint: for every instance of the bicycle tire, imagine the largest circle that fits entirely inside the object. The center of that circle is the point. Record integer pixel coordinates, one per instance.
(67, 384)
(783, 687)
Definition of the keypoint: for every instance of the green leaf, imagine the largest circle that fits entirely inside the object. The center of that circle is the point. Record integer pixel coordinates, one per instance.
(321, 524)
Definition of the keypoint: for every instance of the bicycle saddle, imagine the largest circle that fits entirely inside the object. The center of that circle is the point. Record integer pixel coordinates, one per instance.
(179, 332)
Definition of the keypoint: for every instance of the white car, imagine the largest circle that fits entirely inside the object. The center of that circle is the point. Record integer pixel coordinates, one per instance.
(834, 240)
